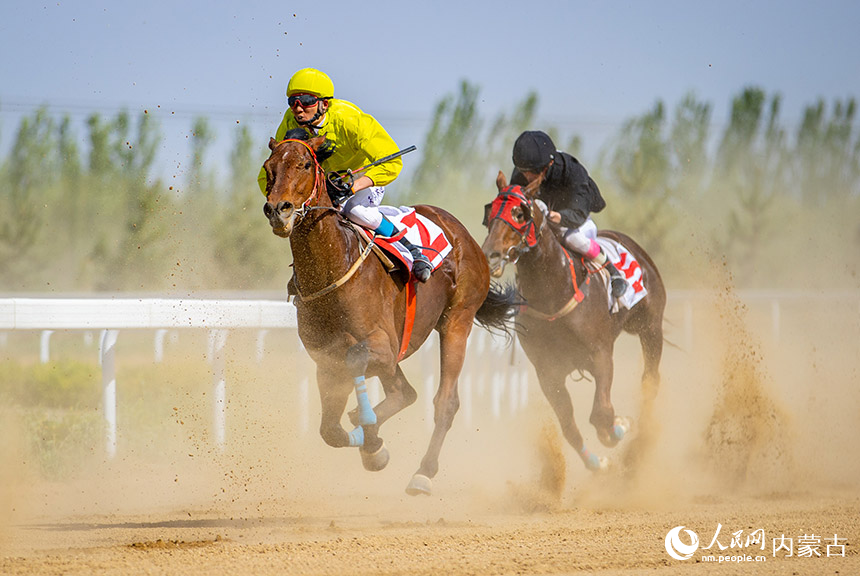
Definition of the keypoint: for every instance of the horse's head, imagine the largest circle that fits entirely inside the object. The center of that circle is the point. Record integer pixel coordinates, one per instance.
(294, 181)
(513, 223)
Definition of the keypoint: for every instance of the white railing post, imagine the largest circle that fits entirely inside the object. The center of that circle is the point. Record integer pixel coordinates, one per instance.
(107, 345)
(261, 344)
(160, 334)
(217, 342)
(45, 346)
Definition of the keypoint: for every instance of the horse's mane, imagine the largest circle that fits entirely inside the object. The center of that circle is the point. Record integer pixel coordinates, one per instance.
(323, 152)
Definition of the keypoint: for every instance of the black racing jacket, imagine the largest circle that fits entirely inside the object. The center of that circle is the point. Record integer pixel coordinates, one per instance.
(568, 190)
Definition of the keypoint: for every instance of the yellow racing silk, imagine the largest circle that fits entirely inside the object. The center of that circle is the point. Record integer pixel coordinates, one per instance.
(358, 137)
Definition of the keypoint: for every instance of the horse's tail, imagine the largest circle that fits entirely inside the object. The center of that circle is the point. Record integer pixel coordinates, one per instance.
(499, 308)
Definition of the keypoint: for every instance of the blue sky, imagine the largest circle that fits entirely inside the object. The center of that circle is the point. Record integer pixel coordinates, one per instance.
(593, 64)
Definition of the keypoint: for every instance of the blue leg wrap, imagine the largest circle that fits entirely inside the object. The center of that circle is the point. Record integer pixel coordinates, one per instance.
(592, 462)
(618, 432)
(356, 437)
(386, 229)
(366, 415)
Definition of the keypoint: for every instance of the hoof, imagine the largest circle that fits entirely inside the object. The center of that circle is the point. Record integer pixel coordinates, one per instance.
(420, 484)
(621, 427)
(611, 436)
(375, 461)
(594, 462)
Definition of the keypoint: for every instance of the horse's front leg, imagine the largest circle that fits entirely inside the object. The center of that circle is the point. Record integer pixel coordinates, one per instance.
(610, 430)
(334, 391)
(374, 455)
(399, 394)
(553, 383)
(335, 381)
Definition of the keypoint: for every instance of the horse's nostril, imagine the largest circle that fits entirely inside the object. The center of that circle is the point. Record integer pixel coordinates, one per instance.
(268, 209)
(285, 206)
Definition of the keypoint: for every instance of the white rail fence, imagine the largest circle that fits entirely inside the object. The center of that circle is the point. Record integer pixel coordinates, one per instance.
(113, 315)
(507, 381)
(110, 316)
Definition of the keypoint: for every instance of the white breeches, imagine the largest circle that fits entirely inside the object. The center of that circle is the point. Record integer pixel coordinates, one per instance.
(582, 240)
(363, 207)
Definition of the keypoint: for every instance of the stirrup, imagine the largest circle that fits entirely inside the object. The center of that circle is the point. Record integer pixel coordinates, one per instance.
(421, 267)
(619, 286)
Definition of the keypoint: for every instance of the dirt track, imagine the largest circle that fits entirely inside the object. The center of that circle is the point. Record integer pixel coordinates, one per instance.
(433, 537)
(747, 435)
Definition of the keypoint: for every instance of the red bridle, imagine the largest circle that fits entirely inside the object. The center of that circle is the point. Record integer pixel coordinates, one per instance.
(319, 177)
(502, 209)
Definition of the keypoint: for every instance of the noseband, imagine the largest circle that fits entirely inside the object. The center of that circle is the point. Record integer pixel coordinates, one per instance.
(319, 182)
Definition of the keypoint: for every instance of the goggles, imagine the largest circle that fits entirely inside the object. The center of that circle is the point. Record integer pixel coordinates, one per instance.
(304, 100)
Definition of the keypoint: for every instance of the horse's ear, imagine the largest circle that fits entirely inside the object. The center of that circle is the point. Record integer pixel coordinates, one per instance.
(501, 181)
(272, 143)
(316, 141)
(533, 187)
(322, 147)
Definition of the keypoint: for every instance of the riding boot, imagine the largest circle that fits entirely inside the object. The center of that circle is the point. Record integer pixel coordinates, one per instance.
(616, 278)
(421, 267)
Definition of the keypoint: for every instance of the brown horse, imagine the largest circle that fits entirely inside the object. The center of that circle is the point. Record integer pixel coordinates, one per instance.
(352, 312)
(567, 324)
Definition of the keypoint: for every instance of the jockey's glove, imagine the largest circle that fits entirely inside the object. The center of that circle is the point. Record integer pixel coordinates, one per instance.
(339, 188)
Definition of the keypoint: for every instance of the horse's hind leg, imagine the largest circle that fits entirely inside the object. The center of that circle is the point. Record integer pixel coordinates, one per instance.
(651, 340)
(452, 349)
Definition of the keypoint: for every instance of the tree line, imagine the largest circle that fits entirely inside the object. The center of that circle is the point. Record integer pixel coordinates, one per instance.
(769, 204)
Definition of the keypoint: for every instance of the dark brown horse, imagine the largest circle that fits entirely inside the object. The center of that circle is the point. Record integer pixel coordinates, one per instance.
(567, 324)
(351, 311)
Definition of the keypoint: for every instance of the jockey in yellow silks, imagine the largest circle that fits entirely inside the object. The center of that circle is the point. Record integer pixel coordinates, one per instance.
(358, 139)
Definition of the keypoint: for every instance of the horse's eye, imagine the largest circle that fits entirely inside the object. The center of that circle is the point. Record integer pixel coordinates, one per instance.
(308, 166)
(518, 215)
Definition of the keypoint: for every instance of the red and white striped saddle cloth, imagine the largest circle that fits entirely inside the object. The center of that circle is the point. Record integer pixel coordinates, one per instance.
(627, 265)
(419, 230)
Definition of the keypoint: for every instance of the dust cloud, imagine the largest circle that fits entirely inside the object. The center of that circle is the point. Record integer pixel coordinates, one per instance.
(742, 408)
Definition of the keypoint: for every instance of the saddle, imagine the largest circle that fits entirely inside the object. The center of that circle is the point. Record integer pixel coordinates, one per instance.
(419, 230)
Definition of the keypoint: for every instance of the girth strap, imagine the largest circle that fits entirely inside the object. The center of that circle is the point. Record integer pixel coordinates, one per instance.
(578, 296)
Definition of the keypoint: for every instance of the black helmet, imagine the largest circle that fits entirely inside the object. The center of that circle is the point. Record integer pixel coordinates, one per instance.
(533, 150)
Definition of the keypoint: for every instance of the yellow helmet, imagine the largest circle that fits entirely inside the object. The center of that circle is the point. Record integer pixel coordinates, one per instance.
(311, 81)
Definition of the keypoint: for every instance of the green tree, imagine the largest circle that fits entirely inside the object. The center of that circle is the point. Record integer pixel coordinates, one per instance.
(639, 188)
(26, 201)
(450, 144)
(242, 241)
(748, 179)
(200, 180)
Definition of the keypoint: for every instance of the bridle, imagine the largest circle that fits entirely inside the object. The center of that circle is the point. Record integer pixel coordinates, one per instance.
(500, 209)
(319, 182)
(319, 185)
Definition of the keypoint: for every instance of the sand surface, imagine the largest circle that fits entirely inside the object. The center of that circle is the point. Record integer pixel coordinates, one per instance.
(753, 430)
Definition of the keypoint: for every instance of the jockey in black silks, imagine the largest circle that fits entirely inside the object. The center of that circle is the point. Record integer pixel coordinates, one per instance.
(570, 196)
